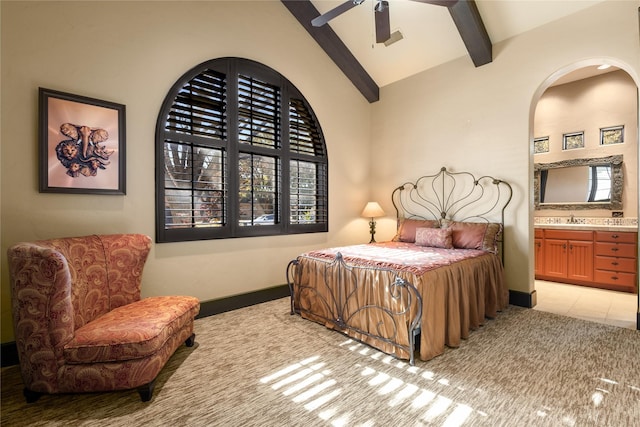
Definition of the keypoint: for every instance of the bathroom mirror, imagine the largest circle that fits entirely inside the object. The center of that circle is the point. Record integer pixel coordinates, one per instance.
(590, 183)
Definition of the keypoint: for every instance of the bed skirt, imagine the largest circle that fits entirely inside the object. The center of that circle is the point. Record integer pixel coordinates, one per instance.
(387, 309)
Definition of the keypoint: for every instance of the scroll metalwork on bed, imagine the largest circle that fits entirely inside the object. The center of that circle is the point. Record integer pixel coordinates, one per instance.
(457, 196)
(366, 303)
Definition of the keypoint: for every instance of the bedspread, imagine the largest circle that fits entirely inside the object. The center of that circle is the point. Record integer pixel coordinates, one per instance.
(459, 289)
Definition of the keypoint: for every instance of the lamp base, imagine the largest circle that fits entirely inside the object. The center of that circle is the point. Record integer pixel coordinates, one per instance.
(372, 230)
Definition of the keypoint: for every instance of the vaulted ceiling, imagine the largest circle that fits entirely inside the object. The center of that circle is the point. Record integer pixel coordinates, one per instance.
(433, 32)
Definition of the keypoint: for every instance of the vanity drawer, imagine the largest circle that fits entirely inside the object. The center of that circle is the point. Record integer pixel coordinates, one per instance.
(627, 265)
(615, 236)
(615, 278)
(625, 250)
(568, 234)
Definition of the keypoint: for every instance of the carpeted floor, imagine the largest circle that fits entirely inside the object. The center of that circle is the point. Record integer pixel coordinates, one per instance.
(259, 366)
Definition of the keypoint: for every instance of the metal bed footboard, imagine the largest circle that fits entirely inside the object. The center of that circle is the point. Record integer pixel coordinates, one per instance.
(342, 305)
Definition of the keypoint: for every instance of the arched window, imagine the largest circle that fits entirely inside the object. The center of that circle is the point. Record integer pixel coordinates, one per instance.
(239, 152)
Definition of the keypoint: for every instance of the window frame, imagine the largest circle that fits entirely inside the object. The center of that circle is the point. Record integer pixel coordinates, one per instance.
(232, 67)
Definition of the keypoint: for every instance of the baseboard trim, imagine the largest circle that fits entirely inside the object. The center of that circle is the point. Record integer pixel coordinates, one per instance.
(523, 299)
(9, 354)
(213, 307)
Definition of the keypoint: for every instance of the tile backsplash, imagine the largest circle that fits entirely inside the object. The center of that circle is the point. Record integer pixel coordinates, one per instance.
(627, 222)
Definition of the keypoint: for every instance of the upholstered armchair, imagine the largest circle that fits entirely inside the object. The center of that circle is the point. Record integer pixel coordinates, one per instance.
(79, 322)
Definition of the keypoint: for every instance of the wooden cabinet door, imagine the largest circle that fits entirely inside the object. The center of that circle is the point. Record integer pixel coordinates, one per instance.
(539, 256)
(555, 258)
(580, 260)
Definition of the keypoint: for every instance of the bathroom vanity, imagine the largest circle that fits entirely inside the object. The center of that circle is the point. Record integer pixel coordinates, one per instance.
(597, 256)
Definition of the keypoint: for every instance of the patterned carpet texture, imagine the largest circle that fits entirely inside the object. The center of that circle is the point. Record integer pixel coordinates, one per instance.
(260, 366)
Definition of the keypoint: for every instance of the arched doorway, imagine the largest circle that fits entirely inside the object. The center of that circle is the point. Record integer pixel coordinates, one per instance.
(573, 130)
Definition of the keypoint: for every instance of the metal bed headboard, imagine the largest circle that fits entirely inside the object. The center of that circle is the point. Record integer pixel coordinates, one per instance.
(457, 196)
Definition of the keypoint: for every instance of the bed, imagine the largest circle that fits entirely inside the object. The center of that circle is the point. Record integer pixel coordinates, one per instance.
(438, 279)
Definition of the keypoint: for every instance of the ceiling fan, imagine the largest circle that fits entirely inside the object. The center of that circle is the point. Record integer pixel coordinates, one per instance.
(383, 28)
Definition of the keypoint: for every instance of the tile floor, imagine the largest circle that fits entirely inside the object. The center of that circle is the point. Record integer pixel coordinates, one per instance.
(596, 305)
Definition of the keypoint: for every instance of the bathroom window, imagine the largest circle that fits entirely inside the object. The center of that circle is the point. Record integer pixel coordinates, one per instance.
(541, 145)
(612, 135)
(571, 141)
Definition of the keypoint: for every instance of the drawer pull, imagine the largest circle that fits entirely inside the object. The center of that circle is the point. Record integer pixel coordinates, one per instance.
(614, 236)
(615, 263)
(615, 249)
(614, 277)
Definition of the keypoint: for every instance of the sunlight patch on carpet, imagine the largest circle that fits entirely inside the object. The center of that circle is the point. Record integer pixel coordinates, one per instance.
(312, 384)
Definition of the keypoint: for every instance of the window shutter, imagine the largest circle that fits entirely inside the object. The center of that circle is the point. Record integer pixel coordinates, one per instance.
(223, 167)
(258, 112)
(303, 131)
(199, 107)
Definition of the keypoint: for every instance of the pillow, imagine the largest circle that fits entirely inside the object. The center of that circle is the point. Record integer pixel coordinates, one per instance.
(434, 237)
(475, 235)
(407, 228)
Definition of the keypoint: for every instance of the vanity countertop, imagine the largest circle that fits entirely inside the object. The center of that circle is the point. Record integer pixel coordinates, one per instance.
(588, 227)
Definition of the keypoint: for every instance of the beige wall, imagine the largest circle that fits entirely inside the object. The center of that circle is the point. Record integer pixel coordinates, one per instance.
(481, 119)
(132, 53)
(587, 105)
(467, 118)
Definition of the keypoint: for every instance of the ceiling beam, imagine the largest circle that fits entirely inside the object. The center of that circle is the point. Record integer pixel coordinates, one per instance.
(471, 28)
(328, 40)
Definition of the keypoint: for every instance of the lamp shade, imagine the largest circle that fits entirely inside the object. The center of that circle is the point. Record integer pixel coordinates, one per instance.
(372, 210)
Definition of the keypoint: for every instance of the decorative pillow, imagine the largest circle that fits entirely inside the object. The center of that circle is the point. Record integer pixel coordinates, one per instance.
(434, 237)
(475, 235)
(407, 228)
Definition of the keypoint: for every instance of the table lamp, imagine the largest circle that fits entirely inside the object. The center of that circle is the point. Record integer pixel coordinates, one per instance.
(372, 210)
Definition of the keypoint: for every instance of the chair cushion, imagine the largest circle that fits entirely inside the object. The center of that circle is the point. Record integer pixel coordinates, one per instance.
(132, 331)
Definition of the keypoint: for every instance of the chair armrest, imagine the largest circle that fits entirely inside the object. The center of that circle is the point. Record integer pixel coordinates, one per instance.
(41, 289)
(41, 304)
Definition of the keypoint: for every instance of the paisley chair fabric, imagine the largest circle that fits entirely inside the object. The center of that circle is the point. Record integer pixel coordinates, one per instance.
(79, 322)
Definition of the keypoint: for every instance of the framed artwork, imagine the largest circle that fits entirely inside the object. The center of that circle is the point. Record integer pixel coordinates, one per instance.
(572, 140)
(541, 145)
(612, 135)
(82, 144)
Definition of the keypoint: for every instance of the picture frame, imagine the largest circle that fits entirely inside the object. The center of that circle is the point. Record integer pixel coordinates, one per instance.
(612, 135)
(81, 144)
(573, 140)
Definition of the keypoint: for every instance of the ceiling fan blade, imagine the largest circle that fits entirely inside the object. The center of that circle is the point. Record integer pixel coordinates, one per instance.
(319, 21)
(383, 28)
(446, 3)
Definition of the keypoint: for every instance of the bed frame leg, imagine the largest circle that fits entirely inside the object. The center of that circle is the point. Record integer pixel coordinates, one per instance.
(414, 343)
(290, 267)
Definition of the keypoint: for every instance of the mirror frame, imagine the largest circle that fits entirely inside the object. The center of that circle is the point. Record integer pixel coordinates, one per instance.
(617, 183)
